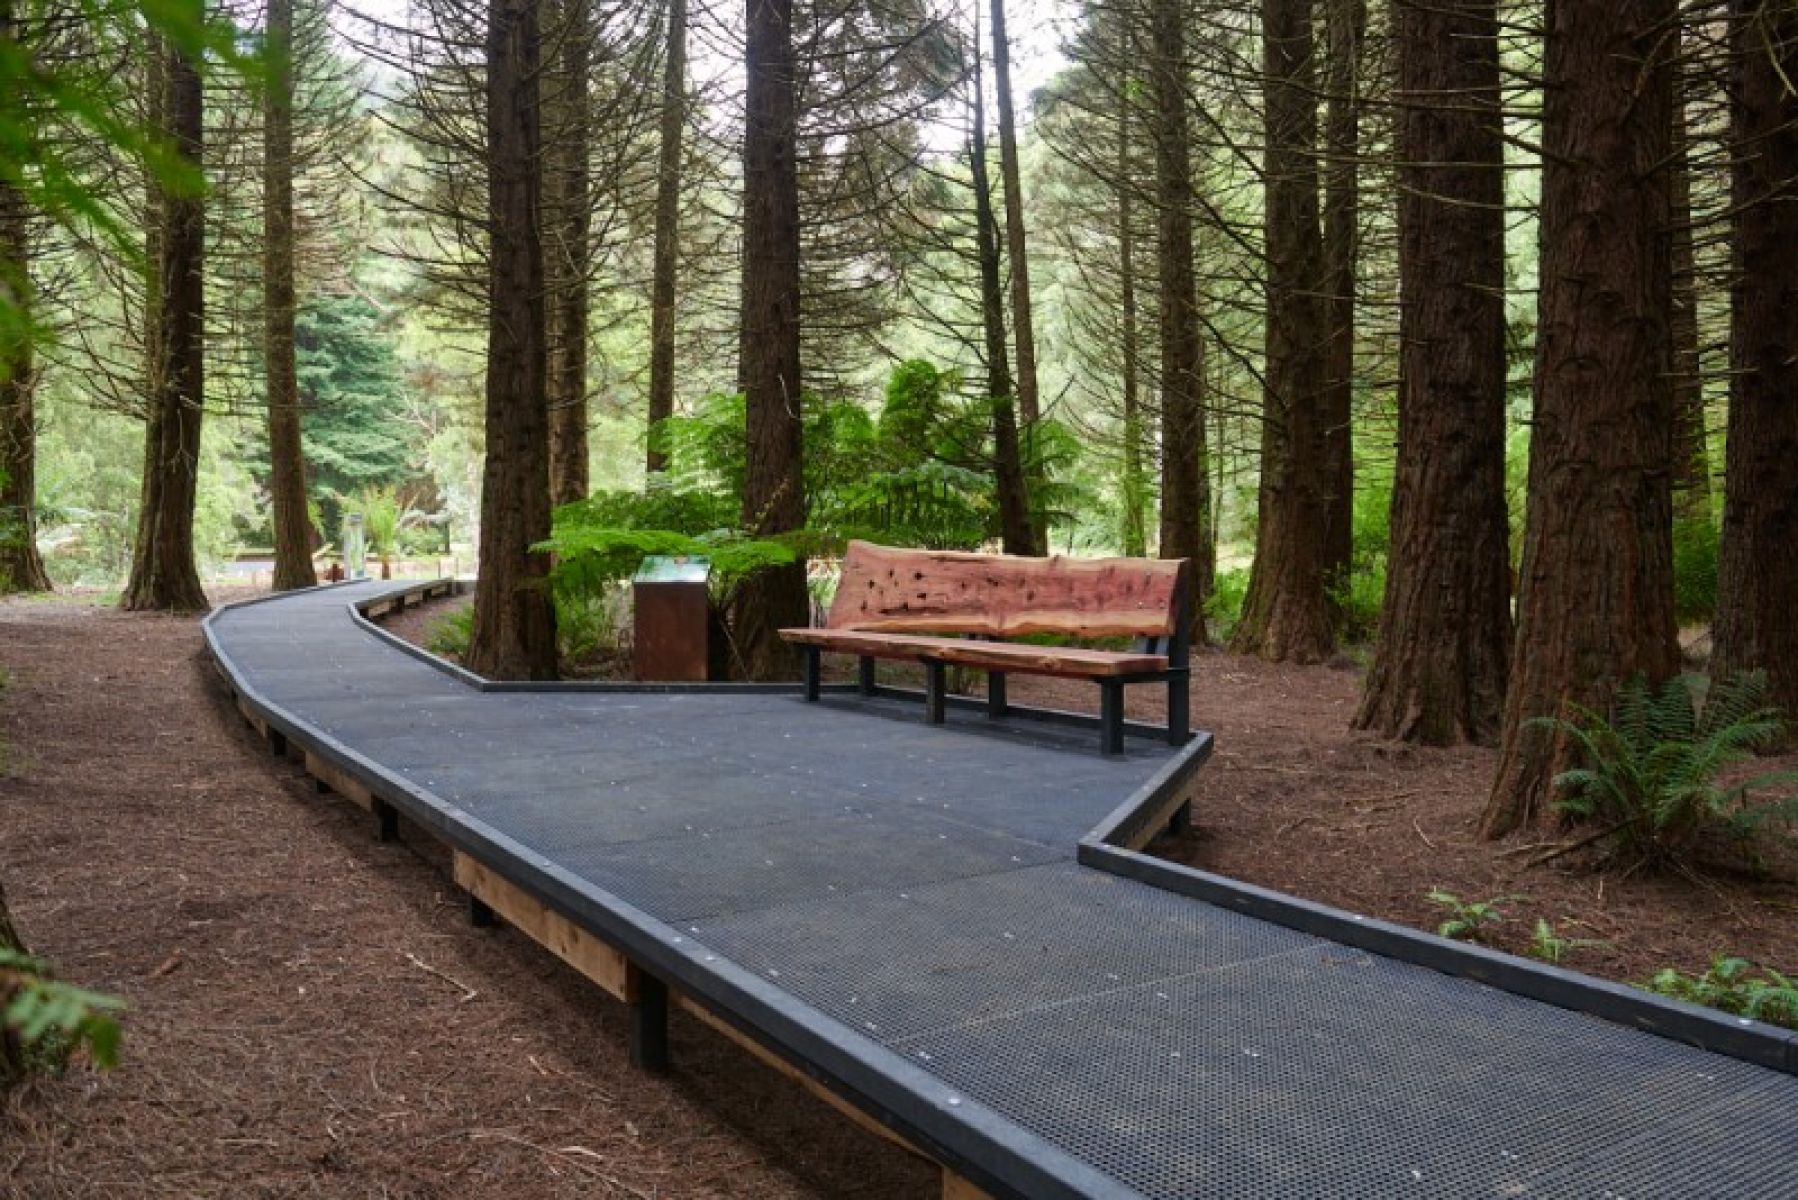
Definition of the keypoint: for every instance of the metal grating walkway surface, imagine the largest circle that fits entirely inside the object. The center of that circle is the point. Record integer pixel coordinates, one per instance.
(912, 893)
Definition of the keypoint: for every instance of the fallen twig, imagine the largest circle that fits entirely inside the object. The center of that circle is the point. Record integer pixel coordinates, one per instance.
(468, 993)
(1577, 844)
(1422, 834)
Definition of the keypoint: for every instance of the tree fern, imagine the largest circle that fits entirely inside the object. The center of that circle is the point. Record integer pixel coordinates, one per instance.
(1648, 776)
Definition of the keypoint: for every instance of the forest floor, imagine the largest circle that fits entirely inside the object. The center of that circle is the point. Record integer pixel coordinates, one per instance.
(310, 1013)
(1295, 800)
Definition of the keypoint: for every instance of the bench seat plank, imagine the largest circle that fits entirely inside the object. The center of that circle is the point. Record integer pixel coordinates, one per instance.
(1063, 661)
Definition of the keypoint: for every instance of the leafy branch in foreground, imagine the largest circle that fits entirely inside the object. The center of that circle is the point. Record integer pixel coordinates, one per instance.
(48, 1021)
(1649, 779)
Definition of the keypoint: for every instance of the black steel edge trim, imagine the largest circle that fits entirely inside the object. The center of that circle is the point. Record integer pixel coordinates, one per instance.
(359, 615)
(1049, 716)
(1128, 818)
(1735, 1037)
(975, 1141)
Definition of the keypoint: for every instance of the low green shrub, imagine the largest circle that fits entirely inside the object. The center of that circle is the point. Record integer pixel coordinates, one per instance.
(451, 635)
(1650, 776)
(1695, 545)
(1223, 607)
(1732, 984)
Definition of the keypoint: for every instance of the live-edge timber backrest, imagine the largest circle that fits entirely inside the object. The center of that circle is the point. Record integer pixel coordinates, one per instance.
(886, 590)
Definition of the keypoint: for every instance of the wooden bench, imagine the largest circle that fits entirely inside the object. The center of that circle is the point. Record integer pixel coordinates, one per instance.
(943, 608)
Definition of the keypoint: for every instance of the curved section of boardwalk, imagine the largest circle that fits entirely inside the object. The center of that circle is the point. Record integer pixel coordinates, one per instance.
(897, 910)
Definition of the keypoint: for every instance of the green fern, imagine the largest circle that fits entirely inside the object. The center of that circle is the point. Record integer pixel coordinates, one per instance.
(1648, 777)
(1732, 985)
(1467, 919)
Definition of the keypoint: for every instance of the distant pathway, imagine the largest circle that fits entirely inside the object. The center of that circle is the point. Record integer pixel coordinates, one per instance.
(898, 907)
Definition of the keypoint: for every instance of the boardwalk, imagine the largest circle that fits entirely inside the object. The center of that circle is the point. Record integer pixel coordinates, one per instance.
(899, 910)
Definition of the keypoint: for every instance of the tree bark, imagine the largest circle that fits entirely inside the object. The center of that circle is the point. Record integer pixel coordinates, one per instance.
(1444, 646)
(1691, 455)
(1134, 489)
(1756, 625)
(568, 254)
(21, 568)
(1595, 603)
(1017, 533)
(514, 635)
(1184, 478)
(287, 465)
(164, 576)
(1346, 22)
(1286, 613)
(667, 235)
(1016, 239)
(768, 351)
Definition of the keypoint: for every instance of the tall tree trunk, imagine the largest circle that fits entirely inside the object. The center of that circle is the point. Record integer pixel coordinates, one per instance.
(1595, 603)
(1184, 521)
(1444, 646)
(1286, 613)
(1016, 240)
(667, 235)
(21, 569)
(1346, 22)
(287, 464)
(1757, 611)
(1134, 489)
(164, 576)
(514, 635)
(768, 351)
(568, 221)
(1017, 534)
(1691, 456)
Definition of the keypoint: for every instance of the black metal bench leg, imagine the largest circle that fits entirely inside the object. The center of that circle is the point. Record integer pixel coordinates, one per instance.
(1111, 716)
(1179, 710)
(814, 671)
(935, 685)
(649, 1024)
(387, 821)
(865, 678)
(996, 705)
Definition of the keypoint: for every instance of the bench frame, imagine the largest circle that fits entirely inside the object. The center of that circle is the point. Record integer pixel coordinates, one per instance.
(1176, 647)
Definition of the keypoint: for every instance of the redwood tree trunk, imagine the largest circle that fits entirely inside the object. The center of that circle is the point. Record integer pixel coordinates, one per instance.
(1184, 521)
(1286, 613)
(1691, 456)
(1757, 611)
(514, 635)
(1134, 489)
(1017, 534)
(287, 465)
(1016, 240)
(1444, 647)
(667, 235)
(164, 576)
(768, 352)
(1595, 603)
(1346, 21)
(567, 269)
(21, 569)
